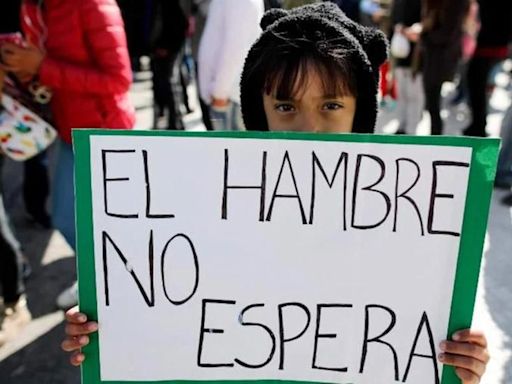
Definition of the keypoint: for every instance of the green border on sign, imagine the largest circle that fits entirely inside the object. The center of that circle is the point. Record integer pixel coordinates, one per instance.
(480, 184)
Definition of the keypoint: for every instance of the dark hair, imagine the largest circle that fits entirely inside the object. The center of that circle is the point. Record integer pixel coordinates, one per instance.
(312, 38)
(287, 74)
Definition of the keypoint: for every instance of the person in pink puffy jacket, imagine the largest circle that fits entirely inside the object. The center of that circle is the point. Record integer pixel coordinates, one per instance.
(77, 52)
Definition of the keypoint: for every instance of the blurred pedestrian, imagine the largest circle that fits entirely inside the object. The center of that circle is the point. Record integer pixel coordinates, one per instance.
(441, 41)
(198, 13)
(35, 170)
(168, 32)
(14, 313)
(135, 15)
(406, 17)
(492, 48)
(79, 51)
(471, 28)
(231, 28)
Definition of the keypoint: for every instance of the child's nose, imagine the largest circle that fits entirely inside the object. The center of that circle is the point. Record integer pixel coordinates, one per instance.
(310, 122)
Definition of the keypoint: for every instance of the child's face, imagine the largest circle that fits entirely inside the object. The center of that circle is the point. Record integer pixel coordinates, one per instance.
(311, 110)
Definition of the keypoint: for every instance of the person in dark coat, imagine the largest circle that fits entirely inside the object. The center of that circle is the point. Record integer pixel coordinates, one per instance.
(492, 47)
(169, 29)
(406, 17)
(441, 41)
(135, 13)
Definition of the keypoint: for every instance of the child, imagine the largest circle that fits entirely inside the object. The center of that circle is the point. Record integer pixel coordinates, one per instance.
(314, 70)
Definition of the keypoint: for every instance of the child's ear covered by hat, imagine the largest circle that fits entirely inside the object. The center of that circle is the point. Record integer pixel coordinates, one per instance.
(346, 54)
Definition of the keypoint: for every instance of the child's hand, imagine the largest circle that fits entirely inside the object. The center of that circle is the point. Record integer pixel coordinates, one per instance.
(467, 352)
(77, 329)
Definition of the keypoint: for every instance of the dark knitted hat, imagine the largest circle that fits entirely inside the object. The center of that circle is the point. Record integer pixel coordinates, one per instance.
(318, 34)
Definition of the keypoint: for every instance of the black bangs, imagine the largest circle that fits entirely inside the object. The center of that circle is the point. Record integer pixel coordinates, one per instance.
(287, 75)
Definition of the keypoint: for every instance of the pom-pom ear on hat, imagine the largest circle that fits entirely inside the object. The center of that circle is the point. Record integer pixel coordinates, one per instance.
(373, 41)
(271, 16)
(376, 47)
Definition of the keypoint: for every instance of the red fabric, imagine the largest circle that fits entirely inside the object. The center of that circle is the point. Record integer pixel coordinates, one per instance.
(87, 63)
(387, 86)
(492, 52)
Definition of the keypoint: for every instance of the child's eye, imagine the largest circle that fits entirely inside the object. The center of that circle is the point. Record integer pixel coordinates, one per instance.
(331, 106)
(285, 108)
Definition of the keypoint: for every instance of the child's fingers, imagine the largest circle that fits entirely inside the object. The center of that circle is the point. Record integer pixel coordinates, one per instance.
(73, 316)
(77, 358)
(71, 344)
(471, 336)
(81, 329)
(466, 376)
(475, 366)
(466, 349)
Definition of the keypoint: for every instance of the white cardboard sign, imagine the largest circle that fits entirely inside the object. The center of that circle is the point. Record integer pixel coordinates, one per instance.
(282, 258)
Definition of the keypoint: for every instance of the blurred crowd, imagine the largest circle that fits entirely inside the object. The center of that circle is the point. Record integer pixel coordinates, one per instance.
(86, 69)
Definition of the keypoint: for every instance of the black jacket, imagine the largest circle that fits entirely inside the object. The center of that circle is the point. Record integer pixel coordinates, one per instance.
(442, 42)
(10, 16)
(169, 25)
(496, 19)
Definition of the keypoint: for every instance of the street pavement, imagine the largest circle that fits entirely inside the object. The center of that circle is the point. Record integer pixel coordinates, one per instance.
(35, 356)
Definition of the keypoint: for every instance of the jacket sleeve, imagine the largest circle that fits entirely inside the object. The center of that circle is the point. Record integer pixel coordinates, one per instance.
(104, 35)
(174, 28)
(239, 16)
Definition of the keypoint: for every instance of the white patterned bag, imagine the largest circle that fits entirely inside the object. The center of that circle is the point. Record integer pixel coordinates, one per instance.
(23, 134)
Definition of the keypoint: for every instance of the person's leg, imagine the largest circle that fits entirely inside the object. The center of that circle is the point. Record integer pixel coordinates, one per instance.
(15, 313)
(162, 93)
(433, 106)
(205, 109)
(237, 122)
(416, 102)
(11, 258)
(205, 114)
(175, 120)
(220, 118)
(478, 74)
(36, 189)
(63, 198)
(63, 210)
(11, 278)
(401, 105)
(185, 73)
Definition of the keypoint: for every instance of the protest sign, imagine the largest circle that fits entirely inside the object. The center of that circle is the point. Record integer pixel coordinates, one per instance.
(240, 257)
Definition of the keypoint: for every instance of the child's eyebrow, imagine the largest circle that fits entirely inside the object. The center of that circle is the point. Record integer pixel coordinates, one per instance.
(326, 96)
